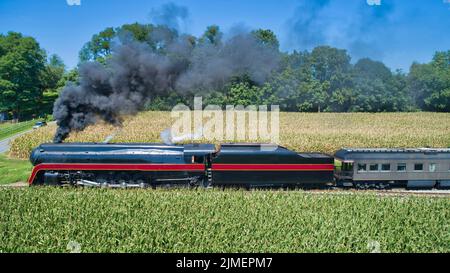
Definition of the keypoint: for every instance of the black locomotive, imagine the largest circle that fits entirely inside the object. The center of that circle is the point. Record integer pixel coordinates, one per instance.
(242, 165)
(143, 165)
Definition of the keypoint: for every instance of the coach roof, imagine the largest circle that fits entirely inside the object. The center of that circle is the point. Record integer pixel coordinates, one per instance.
(404, 153)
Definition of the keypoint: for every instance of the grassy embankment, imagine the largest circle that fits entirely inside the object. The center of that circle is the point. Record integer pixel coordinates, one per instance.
(13, 170)
(10, 129)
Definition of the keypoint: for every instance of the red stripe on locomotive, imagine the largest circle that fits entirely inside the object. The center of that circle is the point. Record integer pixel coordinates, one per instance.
(115, 167)
(272, 167)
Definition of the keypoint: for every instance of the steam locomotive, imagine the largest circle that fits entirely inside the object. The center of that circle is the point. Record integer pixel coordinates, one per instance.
(141, 165)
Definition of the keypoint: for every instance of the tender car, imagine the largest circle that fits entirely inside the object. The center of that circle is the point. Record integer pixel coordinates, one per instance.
(39, 124)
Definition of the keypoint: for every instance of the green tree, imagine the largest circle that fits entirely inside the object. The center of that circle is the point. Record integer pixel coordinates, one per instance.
(267, 37)
(51, 83)
(429, 84)
(377, 89)
(313, 95)
(53, 72)
(283, 89)
(212, 35)
(327, 62)
(99, 48)
(71, 76)
(243, 93)
(22, 64)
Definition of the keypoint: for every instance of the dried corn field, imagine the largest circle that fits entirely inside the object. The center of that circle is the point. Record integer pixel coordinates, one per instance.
(323, 132)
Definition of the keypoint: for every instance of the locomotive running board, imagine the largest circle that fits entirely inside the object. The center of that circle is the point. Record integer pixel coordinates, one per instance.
(88, 183)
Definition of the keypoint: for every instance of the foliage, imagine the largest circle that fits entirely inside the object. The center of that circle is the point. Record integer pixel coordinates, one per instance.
(28, 81)
(212, 35)
(321, 80)
(429, 84)
(52, 77)
(243, 94)
(267, 37)
(22, 62)
(100, 47)
(99, 220)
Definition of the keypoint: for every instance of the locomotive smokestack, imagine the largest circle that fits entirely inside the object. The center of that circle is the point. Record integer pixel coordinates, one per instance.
(138, 72)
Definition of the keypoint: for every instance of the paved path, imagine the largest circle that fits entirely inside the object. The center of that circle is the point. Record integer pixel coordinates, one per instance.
(5, 143)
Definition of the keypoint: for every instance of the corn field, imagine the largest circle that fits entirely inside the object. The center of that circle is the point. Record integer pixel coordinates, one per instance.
(308, 132)
(101, 220)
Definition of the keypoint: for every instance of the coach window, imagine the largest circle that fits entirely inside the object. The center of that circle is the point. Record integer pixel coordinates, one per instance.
(418, 167)
(373, 167)
(401, 167)
(362, 167)
(432, 167)
(385, 167)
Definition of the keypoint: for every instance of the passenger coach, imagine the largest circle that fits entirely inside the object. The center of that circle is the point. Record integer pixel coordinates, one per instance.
(381, 168)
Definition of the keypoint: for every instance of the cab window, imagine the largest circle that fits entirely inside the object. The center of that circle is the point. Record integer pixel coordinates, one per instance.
(197, 159)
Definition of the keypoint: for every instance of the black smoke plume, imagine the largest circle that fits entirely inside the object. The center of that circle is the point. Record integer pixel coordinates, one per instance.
(136, 73)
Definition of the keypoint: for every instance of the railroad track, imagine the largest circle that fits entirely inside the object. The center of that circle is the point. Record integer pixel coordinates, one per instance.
(338, 191)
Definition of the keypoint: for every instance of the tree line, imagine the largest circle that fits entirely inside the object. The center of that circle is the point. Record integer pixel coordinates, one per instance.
(321, 80)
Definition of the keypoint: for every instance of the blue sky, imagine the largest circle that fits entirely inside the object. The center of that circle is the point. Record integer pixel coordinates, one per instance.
(396, 32)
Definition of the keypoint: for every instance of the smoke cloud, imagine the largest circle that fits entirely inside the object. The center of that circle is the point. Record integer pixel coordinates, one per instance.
(354, 25)
(136, 73)
(170, 15)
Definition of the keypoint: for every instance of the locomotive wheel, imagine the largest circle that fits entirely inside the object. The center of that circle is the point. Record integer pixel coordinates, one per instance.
(194, 182)
(123, 179)
(382, 186)
(102, 179)
(140, 179)
(363, 185)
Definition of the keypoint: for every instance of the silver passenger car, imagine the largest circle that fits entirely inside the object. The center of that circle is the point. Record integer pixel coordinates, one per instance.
(380, 168)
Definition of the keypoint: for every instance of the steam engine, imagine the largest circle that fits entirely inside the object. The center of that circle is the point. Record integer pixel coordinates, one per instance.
(236, 165)
(150, 165)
